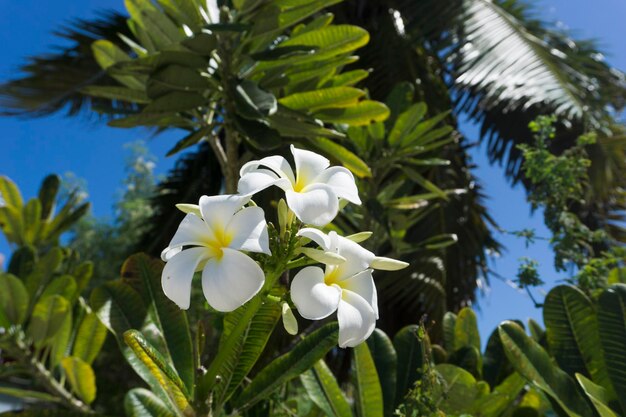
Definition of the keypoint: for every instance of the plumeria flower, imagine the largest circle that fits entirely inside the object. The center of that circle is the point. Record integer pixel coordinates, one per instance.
(345, 285)
(312, 193)
(211, 239)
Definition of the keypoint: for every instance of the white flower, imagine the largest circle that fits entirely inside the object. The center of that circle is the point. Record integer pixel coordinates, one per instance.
(344, 286)
(212, 243)
(314, 191)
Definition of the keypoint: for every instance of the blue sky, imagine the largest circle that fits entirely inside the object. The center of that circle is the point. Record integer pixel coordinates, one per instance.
(31, 149)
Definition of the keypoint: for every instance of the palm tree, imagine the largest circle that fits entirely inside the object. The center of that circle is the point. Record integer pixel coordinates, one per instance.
(490, 60)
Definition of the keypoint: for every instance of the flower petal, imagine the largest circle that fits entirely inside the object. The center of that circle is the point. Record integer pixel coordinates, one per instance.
(178, 273)
(316, 236)
(217, 210)
(357, 257)
(260, 179)
(308, 165)
(342, 182)
(232, 280)
(249, 231)
(363, 285)
(192, 231)
(356, 318)
(276, 163)
(312, 297)
(318, 207)
(169, 252)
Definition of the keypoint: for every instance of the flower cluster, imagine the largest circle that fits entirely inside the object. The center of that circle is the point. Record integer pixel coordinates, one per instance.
(216, 235)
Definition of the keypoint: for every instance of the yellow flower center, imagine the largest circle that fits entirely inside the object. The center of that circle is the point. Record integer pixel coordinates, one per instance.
(221, 239)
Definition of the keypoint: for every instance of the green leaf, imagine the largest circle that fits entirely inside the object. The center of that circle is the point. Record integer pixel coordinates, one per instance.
(28, 395)
(43, 271)
(12, 224)
(288, 366)
(190, 140)
(466, 330)
(274, 18)
(334, 97)
(23, 261)
(155, 119)
(107, 54)
(176, 78)
(167, 377)
(496, 366)
(258, 134)
(82, 274)
(116, 93)
(49, 413)
(406, 123)
(572, 333)
(534, 364)
(502, 399)
(597, 395)
(459, 391)
(59, 345)
(31, 220)
(65, 286)
(10, 193)
(14, 298)
(89, 338)
(81, 378)
(419, 136)
(321, 385)
(47, 194)
(118, 306)
(612, 325)
(174, 102)
(254, 103)
(47, 318)
(162, 31)
(385, 358)
(244, 354)
(449, 326)
(369, 396)
(410, 352)
(145, 273)
(363, 113)
(140, 402)
(338, 153)
(348, 78)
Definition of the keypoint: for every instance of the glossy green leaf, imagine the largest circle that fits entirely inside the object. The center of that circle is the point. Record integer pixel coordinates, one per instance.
(65, 286)
(81, 378)
(502, 399)
(361, 114)
(385, 358)
(406, 123)
(156, 363)
(59, 344)
(410, 351)
(343, 156)
(534, 364)
(348, 78)
(273, 18)
(253, 102)
(175, 101)
(459, 391)
(288, 366)
(612, 325)
(12, 224)
(597, 395)
(48, 193)
(47, 318)
(496, 365)
(176, 78)
(10, 193)
(144, 273)
(572, 333)
(369, 395)
(43, 270)
(31, 220)
(14, 298)
(321, 385)
(162, 31)
(422, 134)
(244, 354)
(334, 97)
(466, 330)
(140, 402)
(28, 395)
(108, 54)
(89, 338)
(116, 93)
(449, 326)
(118, 306)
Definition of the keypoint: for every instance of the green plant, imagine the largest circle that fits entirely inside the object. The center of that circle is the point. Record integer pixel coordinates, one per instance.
(49, 337)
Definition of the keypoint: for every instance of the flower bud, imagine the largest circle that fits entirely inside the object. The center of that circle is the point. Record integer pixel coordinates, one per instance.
(387, 264)
(283, 215)
(189, 208)
(360, 237)
(327, 258)
(289, 320)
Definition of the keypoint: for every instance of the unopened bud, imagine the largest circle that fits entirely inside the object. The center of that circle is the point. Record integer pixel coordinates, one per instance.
(189, 209)
(289, 320)
(360, 237)
(283, 215)
(387, 264)
(326, 258)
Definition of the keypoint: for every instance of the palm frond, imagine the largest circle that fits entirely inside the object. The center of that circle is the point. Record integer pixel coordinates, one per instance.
(51, 82)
